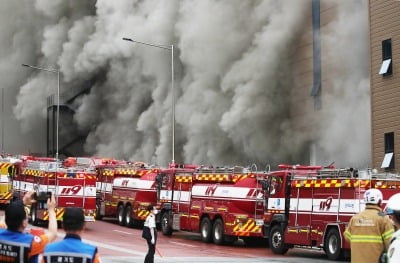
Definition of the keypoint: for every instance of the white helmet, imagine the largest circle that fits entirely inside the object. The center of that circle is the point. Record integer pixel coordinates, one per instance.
(393, 204)
(373, 196)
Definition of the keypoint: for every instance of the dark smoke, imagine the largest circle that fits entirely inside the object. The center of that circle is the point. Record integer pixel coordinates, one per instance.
(232, 78)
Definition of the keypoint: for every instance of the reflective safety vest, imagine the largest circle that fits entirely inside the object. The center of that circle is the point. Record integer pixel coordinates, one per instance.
(369, 234)
(393, 253)
(69, 250)
(14, 246)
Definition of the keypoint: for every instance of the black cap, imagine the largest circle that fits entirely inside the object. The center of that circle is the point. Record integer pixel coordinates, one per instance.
(73, 219)
(15, 215)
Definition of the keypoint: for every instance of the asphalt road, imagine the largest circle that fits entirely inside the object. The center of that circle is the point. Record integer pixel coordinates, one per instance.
(118, 244)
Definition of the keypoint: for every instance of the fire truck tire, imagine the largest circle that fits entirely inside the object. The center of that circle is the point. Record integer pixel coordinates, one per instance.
(165, 224)
(121, 215)
(34, 220)
(128, 216)
(218, 232)
(205, 230)
(276, 240)
(98, 215)
(332, 246)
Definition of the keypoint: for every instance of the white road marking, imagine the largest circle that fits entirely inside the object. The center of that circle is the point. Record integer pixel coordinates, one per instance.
(122, 232)
(115, 248)
(111, 247)
(182, 244)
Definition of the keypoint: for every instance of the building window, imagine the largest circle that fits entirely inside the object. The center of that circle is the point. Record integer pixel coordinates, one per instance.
(388, 160)
(386, 67)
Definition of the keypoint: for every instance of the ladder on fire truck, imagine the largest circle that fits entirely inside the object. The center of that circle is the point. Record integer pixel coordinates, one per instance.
(259, 207)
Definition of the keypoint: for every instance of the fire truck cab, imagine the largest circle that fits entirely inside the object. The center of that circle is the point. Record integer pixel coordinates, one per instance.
(9, 167)
(310, 206)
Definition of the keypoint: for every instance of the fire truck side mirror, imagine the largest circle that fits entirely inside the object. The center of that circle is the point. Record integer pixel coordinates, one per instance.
(159, 180)
(265, 185)
(10, 171)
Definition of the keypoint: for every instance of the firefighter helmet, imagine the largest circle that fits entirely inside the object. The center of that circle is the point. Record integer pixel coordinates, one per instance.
(393, 204)
(373, 196)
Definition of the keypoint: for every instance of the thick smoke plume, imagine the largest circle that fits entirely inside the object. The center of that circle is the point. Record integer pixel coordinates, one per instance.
(232, 76)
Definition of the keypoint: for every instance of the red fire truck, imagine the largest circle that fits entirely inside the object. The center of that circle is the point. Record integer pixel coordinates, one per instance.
(310, 206)
(125, 191)
(222, 204)
(9, 167)
(72, 187)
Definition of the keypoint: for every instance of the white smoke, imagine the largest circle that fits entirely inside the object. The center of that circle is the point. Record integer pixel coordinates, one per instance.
(232, 74)
(345, 131)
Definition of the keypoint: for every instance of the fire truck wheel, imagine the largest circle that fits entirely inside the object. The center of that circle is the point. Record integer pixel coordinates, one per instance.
(128, 216)
(34, 220)
(205, 230)
(218, 232)
(332, 247)
(98, 215)
(121, 215)
(165, 225)
(276, 241)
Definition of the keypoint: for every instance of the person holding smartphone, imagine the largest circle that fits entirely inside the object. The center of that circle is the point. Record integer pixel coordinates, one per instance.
(15, 244)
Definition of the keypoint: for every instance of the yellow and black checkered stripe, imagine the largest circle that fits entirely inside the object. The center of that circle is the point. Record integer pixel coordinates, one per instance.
(134, 172)
(324, 183)
(5, 165)
(33, 172)
(222, 177)
(246, 229)
(183, 179)
(5, 197)
(108, 172)
(142, 214)
(387, 184)
(40, 173)
(239, 177)
(59, 214)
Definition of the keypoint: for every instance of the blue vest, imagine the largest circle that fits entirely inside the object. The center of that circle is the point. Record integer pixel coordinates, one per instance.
(70, 250)
(15, 246)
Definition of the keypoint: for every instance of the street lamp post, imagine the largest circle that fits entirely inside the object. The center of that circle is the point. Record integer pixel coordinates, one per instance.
(171, 48)
(2, 121)
(55, 71)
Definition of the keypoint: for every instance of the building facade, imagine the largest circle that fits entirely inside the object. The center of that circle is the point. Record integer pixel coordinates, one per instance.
(385, 81)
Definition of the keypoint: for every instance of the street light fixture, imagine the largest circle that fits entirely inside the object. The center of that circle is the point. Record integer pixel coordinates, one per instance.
(55, 71)
(171, 48)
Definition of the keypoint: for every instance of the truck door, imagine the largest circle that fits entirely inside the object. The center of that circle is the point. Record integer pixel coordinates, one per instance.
(275, 200)
(183, 185)
(298, 228)
(164, 187)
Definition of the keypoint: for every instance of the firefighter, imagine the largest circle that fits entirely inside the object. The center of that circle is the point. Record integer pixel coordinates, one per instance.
(150, 233)
(369, 231)
(393, 210)
(17, 246)
(71, 248)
